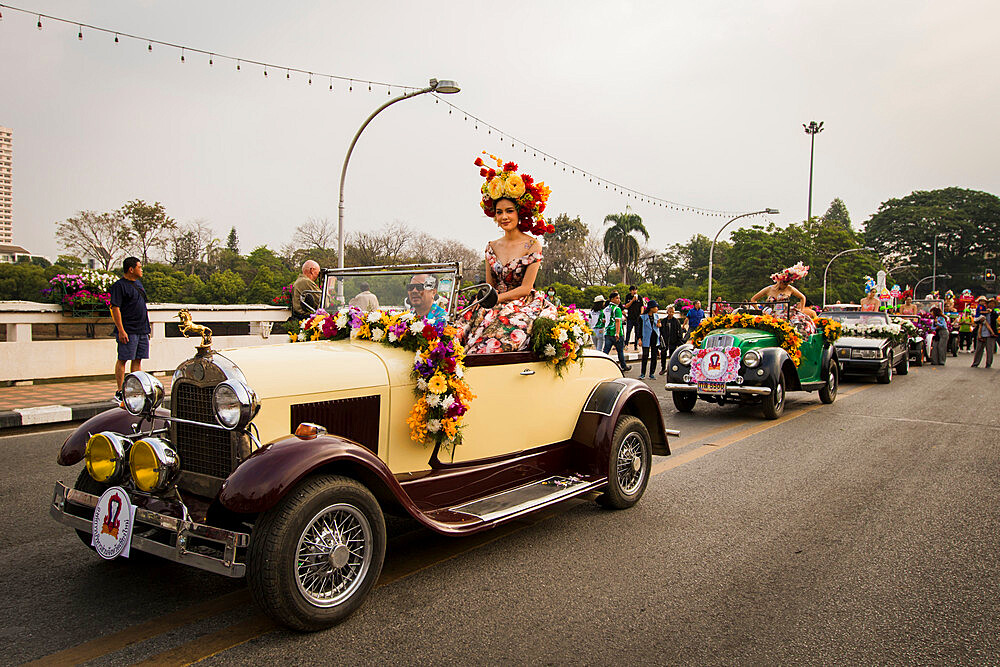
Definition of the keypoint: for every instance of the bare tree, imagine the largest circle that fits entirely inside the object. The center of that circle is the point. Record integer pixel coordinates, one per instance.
(104, 236)
(194, 242)
(382, 246)
(150, 225)
(592, 265)
(315, 233)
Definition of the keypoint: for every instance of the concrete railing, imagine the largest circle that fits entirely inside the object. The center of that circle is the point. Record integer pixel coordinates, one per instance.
(22, 358)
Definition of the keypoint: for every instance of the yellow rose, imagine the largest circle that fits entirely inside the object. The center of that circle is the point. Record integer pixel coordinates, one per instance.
(514, 186)
(495, 188)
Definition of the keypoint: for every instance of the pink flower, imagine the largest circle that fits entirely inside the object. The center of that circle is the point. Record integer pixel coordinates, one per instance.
(517, 336)
(492, 346)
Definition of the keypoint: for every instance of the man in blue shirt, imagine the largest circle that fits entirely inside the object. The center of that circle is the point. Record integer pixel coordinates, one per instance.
(422, 295)
(694, 317)
(128, 310)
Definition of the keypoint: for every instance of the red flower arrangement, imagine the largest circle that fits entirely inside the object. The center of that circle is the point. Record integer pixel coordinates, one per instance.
(530, 197)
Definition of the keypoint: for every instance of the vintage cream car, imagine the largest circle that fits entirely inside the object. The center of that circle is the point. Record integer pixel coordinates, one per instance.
(279, 462)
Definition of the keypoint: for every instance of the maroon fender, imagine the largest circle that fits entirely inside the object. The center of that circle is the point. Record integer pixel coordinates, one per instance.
(608, 402)
(116, 420)
(273, 470)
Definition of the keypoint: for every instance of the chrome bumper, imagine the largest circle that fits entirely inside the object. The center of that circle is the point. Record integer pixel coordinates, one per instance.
(180, 533)
(730, 389)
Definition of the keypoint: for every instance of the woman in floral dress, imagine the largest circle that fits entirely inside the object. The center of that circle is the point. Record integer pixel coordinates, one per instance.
(515, 203)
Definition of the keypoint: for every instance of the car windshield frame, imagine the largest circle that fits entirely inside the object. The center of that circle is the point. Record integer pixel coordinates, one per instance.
(333, 297)
(862, 317)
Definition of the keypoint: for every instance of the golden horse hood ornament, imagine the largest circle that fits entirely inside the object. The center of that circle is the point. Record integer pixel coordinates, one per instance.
(190, 330)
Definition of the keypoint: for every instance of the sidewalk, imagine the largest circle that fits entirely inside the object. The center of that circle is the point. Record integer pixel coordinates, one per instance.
(58, 402)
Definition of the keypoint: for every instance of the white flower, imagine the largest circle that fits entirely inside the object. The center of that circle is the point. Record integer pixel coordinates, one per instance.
(378, 334)
(374, 316)
(459, 372)
(342, 318)
(433, 425)
(393, 337)
(577, 331)
(563, 337)
(549, 351)
(417, 357)
(417, 327)
(421, 384)
(447, 401)
(433, 400)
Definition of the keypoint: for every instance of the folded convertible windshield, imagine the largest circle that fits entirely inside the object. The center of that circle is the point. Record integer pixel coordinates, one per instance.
(416, 287)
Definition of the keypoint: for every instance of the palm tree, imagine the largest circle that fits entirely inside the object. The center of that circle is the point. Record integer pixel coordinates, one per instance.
(619, 241)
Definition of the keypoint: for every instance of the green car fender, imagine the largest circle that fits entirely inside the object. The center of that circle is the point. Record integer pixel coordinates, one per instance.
(774, 361)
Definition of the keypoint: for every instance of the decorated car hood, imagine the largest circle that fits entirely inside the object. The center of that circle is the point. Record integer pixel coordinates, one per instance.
(857, 341)
(742, 338)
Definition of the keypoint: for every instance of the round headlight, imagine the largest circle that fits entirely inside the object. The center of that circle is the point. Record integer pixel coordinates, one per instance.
(235, 404)
(751, 359)
(105, 457)
(153, 464)
(142, 392)
(684, 356)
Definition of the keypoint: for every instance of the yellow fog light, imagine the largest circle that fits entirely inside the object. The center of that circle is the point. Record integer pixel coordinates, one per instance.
(153, 464)
(105, 457)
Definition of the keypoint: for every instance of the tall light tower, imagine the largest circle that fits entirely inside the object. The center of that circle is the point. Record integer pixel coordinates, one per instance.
(812, 129)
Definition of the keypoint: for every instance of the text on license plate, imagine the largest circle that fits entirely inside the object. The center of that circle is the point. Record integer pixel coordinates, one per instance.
(712, 387)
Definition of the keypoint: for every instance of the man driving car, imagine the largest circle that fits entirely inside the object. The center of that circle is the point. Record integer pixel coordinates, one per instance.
(421, 292)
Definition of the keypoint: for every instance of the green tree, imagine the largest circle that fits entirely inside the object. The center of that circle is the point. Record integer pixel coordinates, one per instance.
(225, 287)
(264, 286)
(838, 213)
(149, 225)
(564, 250)
(22, 282)
(620, 241)
(968, 221)
(233, 241)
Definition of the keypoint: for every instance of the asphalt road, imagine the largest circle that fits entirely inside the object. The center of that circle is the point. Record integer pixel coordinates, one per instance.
(861, 532)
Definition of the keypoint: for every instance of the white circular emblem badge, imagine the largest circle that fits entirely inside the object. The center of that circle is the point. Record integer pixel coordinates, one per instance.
(714, 365)
(111, 530)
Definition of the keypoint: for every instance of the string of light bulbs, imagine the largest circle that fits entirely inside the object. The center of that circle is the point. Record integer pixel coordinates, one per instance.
(491, 129)
(213, 56)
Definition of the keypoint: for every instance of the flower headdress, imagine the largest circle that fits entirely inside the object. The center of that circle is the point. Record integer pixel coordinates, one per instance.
(505, 182)
(791, 274)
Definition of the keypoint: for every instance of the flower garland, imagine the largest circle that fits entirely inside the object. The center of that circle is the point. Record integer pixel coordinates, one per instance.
(831, 329)
(559, 340)
(909, 328)
(788, 338)
(894, 332)
(438, 363)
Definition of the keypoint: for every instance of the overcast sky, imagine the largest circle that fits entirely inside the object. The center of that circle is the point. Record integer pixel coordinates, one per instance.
(698, 102)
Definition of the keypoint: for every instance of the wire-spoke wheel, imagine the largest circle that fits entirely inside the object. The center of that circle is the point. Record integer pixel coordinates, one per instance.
(631, 457)
(315, 555)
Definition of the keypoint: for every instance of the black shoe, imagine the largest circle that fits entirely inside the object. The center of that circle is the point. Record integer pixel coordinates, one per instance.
(119, 396)
(626, 369)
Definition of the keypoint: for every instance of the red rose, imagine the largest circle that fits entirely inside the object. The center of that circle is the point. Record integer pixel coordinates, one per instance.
(510, 166)
(479, 162)
(541, 207)
(483, 172)
(551, 229)
(491, 173)
(524, 226)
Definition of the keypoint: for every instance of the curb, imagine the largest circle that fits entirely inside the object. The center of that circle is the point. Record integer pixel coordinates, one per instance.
(52, 414)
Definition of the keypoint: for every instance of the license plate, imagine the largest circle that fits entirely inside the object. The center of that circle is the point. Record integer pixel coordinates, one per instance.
(711, 387)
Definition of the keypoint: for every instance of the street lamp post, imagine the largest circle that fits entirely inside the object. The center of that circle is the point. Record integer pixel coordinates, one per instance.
(711, 251)
(442, 86)
(934, 268)
(844, 252)
(812, 129)
(931, 277)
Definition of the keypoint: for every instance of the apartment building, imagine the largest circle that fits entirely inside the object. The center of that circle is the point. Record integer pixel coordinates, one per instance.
(6, 190)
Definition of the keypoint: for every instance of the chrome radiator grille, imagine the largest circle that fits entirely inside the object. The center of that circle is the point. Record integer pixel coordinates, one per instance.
(202, 449)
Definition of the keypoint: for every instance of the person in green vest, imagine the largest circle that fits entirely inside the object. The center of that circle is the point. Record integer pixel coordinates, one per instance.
(965, 322)
(613, 333)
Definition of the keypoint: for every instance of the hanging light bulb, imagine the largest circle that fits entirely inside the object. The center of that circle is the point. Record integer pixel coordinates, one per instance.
(79, 34)
(350, 86)
(116, 38)
(39, 24)
(388, 91)
(265, 71)
(182, 55)
(237, 65)
(311, 78)
(369, 87)
(211, 60)
(287, 75)
(331, 83)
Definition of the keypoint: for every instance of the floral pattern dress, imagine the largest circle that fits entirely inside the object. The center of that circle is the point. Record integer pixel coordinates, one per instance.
(507, 326)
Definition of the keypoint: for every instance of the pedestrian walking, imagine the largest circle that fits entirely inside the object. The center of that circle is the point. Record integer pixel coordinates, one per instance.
(965, 324)
(986, 334)
(671, 335)
(615, 329)
(939, 347)
(633, 311)
(131, 318)
(598, 321)
(650, 324)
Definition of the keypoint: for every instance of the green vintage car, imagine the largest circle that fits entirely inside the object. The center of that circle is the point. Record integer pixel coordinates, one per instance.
(749, 357)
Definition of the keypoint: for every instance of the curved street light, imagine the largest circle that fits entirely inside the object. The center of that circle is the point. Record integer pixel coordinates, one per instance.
(446, 86)
(844, 252)
(934, 276)
(711, 252)
(934, 268)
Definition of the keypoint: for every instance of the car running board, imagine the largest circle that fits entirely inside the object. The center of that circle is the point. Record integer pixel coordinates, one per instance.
(527, 498)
